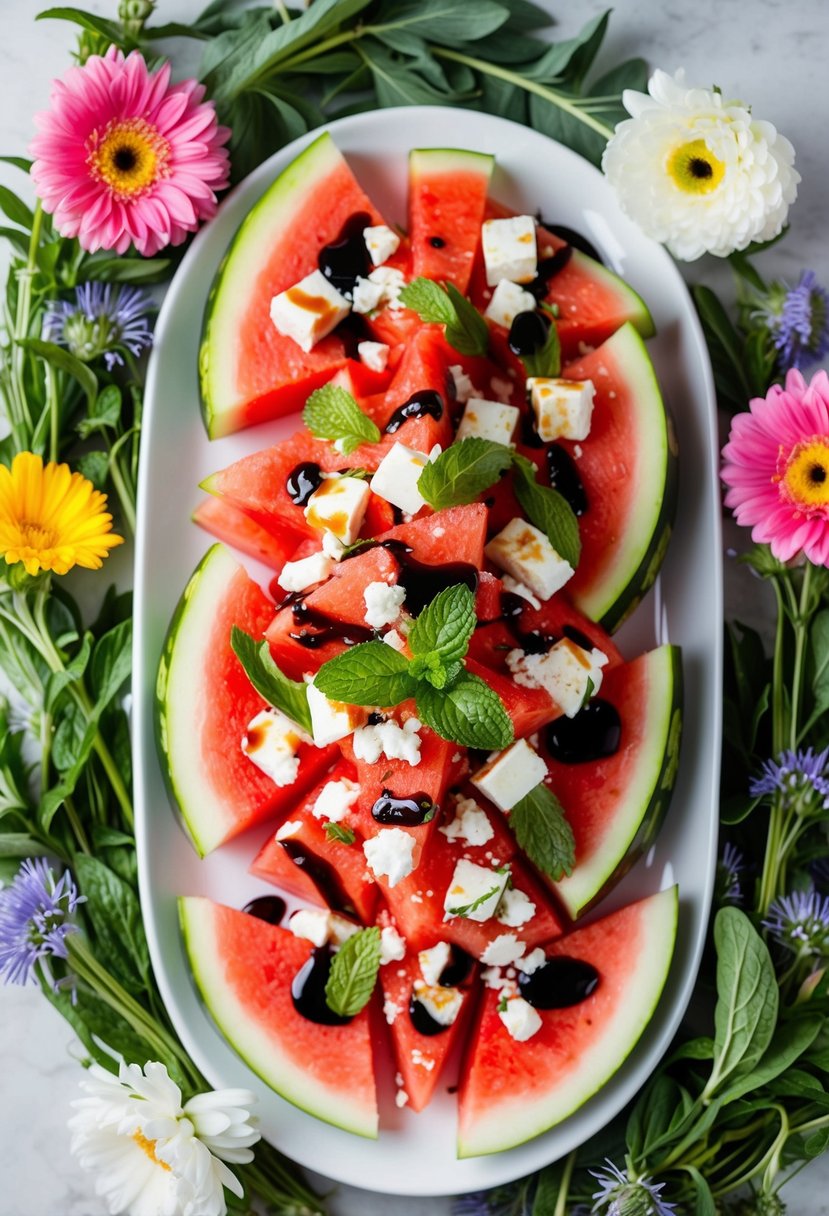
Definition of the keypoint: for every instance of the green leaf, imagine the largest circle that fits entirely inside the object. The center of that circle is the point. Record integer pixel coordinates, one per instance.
(18, 162)
(340, 833)
(570, 60)
(65, 361)
(540, 826)
(429, 301)
(15, 209)
(126, 270)
(445, 21)
(111, 663)
(371, 673)
(548, 510)
(87, 21)
(466, 909)
(354, 973)
(94, 466)
(725, 348)
(788, 1045)
(72, 671)
(288, 696)
(819, 643)
(19, 844)
(69, 736)
(463, 472)
(547, 360)
(468, 332)
(104, 412)
(332, 413)
(467, 711)
(704, 1204)
(112, 907)
(445, 625)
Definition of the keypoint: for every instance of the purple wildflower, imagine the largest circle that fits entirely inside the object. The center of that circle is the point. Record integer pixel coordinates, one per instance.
(619, 1196)
(103, 320)
(799, 776)
(797, 319)
(508, 1200)
(729, 870)
(800, 923)
(33, 919)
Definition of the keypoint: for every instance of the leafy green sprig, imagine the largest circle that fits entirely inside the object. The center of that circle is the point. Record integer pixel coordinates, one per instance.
(464, 327)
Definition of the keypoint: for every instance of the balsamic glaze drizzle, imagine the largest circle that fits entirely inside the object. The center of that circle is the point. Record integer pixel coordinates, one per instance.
(302, 481)
(270, 908)
(594, 734)
(324, 876)
(564, 477)
(427, 402)
(560, 983)
(308, 989)
(412, 811)
(346, 259)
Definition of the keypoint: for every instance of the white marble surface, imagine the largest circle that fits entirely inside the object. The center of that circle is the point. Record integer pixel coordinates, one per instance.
(770, 52)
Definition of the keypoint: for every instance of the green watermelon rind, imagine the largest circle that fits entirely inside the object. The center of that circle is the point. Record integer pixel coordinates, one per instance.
(527, 1118)
(636, 310)
(258, 1050)
(449, 160)
(275, 212)
(640, 814)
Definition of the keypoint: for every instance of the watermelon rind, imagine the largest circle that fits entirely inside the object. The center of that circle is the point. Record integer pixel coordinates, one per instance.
(527, 1117)
(640, 812)
(277, 210)
(449, 160)
(258, 1049)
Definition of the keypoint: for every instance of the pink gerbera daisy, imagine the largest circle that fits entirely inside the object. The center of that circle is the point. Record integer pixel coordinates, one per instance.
(777, 468)
(125, 158)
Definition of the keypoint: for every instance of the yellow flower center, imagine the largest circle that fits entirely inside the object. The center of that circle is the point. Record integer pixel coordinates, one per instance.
(148, 1147)
(694, 168)
(803, 475)
(129, 155)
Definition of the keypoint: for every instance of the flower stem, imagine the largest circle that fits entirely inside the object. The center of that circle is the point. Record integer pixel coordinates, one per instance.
(22, 323)
(564, 1188)
(801, 625)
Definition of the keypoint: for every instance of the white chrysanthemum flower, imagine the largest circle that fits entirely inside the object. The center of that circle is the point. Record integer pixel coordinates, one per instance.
(153, 1156)
(697, 172)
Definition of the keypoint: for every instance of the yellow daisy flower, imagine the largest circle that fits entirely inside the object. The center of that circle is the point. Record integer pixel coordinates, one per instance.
(52, 518)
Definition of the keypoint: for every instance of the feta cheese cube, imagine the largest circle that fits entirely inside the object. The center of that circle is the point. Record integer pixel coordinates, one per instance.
(470, 823)
(289, 828)
(525, 552)
(390, 852)
(397, 476)
(516, 588)
(308, 311)
(509, 249)
(310, 923)
(508, 776)
(443, 1004)
(563, 672)
(271, 742)
(389, 739)
(335, 800)
(394, 639)
(381, 243)
(332, 720)
(332, 547)
(392, 946)
(296, 576)
(366, 296)
(383, 603)
(338, 506)
(340, 929)
(563, 408)
(474, 891)
(520, 1019)
(434, 962)
(515, 909)
(508, 299)
(391, 282)
(464, 388)
(530, 963)
(375, 355)
(503, 950)
(488, 420)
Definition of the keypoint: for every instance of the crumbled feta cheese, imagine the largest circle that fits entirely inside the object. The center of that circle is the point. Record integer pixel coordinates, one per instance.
(390, 1010)
(401, 1098)
(563, 408)
(515, 909)
(332, 547)
(474, 891)
(509, 249)
(470, 823)
(271, 742)
(393, 639)
(564, 672)
(339, 506)
(488, 420)
(497, 978)
(389, 739)
(397, 476)
(421, 1060)
(381, 243)
(508, 300)
(443, 1004)
(310, 923)
(391, 282)
(392, 946)
(508, 776)
(434, 962)
(464, 388)
(390, 852)
(332, 720)
(375, 355)
(383, 603)
(289, 828)
(530, 963)
(308, 311)
(366, 295)
(503, 950)
(516, 588)
(525, 552)
(335, 800)
(520, 1019)
(296, 576)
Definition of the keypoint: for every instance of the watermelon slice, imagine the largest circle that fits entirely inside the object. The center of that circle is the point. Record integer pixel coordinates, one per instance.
(447, 198)
(204, 702)
(226, 522)
(512, 1091)
(244, 969)
(248, 371)
(615, 805)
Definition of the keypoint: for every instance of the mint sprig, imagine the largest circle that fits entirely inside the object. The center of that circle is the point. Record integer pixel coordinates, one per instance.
(463, 472)
(332, 413)
(354, 973)
(340, 833)
(466, 330)
(371, 673)
(546, 361)
(467, 711)
(540, 826)
(289, 696)
(445, 626)
(548, 510)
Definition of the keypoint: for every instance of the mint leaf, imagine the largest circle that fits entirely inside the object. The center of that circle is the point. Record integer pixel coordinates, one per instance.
(468, 332)
(546, 361)
(289, 696)
(429, 301)
(354, 973)
(467, 711)
(548, 510)
(332, 413)
(445, 626)
(371, 673)
(540, 827)
(465, 909)
(339, 833)
(463, 472)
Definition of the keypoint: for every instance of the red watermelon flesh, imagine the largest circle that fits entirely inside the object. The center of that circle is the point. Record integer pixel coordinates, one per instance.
(556, 618)
(529, 708)
(447, 198)
(395, 326)
(457, 534)
(423, 367)
(222, 519)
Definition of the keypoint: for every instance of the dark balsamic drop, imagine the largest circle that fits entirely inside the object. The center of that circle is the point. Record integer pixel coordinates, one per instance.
(351, 331)
(302, 481)
(528, 333)
(428, 402)
(437, 242)
(574, 238)
(576, 635)
(314, 629)
(423, 582)
(535, 642)
(346, 259)
(422, 1019)
(270, 908)
(409, 811)
(308, 990)
(548, 268)
(594, 734)
(529, 430)
(560, 983)
(564, 477)
(324, 877)
(457, 970)
(512, 606)
(375, 718)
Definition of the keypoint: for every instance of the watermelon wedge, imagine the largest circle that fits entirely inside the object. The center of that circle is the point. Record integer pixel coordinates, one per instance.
(512, 1091)
(228, 523)
(244, 969)
(447, 199)
(204, 703)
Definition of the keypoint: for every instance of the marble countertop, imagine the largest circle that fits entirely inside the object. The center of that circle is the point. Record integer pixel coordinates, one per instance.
(770, 53)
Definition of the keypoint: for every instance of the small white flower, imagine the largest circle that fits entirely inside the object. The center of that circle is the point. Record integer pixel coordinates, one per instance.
(153, 1156)
(697, 172)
